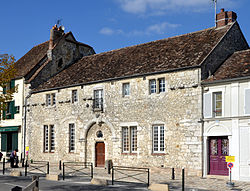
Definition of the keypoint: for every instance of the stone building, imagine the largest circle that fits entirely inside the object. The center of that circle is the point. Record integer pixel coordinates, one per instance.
(136, 106)
(38, 65)
(227, 117)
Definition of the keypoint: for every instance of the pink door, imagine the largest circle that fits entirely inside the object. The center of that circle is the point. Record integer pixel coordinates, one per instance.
(218, 147)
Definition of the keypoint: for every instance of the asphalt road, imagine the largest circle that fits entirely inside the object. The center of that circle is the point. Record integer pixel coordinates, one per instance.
(9, 182)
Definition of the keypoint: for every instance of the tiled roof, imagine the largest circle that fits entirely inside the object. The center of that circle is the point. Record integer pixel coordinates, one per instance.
(167, 54)
(236, 66)
(30, 59)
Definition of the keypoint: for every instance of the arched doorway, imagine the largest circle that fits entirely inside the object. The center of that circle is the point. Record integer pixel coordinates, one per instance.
(99, 144)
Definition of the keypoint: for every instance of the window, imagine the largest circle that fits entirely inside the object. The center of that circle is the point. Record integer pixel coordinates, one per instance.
(49, 138)
(129, 139)
(157, 86)
(74, 96)
(17, 109)
(158, 138)
(152, 86)
(50, 99)
(71, 137)
(98, 99)
(212, 104)
(46, 138)
(217, 104)
(125, 89)
(9, 112)
(161, 85)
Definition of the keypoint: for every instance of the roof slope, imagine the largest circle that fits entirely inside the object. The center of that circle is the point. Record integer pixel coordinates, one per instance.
(236, 66)
(30, 59)
(161, 55)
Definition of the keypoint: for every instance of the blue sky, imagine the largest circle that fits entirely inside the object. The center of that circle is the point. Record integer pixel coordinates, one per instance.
(109, 24)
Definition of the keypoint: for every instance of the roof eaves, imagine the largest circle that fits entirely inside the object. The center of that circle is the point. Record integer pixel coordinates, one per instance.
(117, 78)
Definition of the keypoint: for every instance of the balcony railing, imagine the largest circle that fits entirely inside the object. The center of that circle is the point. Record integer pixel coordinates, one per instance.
(98, 104)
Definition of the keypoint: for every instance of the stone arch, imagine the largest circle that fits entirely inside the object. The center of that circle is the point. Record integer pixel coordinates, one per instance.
(218, 130)
(98, 121)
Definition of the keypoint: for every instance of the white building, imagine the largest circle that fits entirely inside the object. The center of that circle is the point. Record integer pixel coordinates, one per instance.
(226, 120)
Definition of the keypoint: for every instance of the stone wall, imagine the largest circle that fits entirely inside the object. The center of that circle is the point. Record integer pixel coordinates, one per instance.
(178, 109)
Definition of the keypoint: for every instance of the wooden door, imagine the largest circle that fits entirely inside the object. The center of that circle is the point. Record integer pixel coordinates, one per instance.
(218, 147)
(100, 154)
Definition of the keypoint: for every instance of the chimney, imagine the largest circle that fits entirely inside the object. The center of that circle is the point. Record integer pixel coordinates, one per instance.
(55, 33)
(225, 17)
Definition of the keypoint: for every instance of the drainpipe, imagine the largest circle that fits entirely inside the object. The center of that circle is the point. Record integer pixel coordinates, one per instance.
(24, 124)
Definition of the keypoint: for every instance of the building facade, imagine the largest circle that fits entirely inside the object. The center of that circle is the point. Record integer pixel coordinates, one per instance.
(227, 118)
(136, 106)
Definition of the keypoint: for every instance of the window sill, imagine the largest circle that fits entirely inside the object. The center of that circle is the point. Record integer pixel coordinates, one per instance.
(158, 154)
(129, 153)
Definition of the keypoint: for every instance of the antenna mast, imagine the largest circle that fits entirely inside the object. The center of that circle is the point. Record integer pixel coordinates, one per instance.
(215, 10)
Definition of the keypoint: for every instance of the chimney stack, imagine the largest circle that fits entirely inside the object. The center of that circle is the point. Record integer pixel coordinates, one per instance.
(55, 33)
(225, 17)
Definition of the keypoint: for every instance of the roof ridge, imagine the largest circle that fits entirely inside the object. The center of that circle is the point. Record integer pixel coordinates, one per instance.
(138, 45)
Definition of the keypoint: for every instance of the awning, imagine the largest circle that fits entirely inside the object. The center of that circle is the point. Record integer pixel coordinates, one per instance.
(10, 128)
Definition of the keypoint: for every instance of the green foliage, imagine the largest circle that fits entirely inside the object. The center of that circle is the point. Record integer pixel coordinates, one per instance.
(7, 84)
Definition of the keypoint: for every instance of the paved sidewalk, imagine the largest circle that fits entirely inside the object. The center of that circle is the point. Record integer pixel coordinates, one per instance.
(163, 176)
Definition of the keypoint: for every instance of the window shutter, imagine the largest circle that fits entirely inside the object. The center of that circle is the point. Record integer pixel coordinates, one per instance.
(4, 142)
(12, 109)
(207, 105)
(4, 114)
(247, 101)
(4, 90)
(14, 141)
(12, 84)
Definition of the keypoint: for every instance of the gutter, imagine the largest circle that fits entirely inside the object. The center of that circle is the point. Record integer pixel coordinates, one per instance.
(225, 81)
(118, 78)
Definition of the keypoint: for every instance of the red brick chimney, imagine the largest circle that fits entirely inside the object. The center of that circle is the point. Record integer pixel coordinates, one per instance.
(225, 17)
(55, 33)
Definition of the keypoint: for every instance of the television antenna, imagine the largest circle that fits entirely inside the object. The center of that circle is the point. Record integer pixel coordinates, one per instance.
(215, 10)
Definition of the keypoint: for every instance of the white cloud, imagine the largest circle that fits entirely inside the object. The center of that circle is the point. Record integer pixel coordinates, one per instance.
(160, 6)
(107, 31)
(159, 28)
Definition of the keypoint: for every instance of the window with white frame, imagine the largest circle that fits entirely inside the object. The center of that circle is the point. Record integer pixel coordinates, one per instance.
(217, 104)
(161, 85)
(129, 139)
(125, 89)
(71, 137)
(157, 85)
(49, 138)
(213, 104)
(152, 86)
(74, 96)
(50, 99)
(158, 139)
(98, 99)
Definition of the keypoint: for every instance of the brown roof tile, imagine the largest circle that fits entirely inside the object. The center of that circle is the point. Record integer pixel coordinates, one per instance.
(236, 66)
(161, 55)
(30, 59)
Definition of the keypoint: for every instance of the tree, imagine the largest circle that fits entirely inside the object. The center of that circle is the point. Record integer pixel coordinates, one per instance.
(7, 87)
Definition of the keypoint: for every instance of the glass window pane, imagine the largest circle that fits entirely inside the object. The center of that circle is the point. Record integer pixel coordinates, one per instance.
(152, 86)
(125, 139)
(133, 139)
(161, 85)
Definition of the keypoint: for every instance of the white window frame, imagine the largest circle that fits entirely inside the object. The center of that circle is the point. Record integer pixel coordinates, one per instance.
(152, 86)
(131, 139)
(159, 148)
(212, 103)
(99, 96)
(49, 138)
(50, 99)
(74, 96)
(125, 89)
(162, 86)
(72, 137)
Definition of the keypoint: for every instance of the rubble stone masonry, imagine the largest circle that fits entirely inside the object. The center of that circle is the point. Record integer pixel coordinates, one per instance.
(178, 109)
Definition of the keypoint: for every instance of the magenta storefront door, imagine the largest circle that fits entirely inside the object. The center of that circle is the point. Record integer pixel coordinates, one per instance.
(218, 149)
